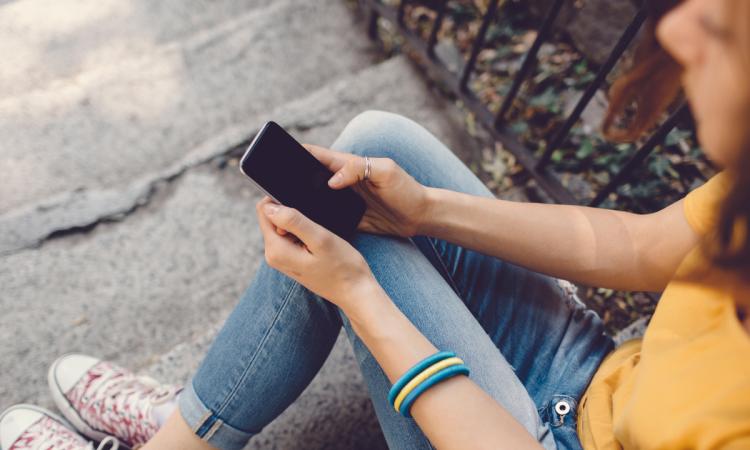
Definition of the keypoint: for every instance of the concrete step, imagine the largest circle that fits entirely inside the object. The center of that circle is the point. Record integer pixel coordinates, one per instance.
(137, 111)
(47, 41)
(130, 285)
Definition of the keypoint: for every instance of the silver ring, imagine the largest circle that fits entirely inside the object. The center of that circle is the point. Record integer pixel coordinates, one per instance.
(368, 169)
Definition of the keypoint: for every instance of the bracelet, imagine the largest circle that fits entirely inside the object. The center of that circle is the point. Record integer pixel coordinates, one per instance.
(425, 374)
(420, 366)
(444, 374)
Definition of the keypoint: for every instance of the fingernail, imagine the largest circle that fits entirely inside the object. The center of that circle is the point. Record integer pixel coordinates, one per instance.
(335, 180)
(270, 209)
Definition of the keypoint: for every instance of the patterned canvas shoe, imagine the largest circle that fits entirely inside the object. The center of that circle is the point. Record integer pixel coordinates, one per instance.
(101, 399)
(26, 427)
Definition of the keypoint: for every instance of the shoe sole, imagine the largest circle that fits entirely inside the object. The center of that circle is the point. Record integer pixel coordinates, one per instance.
(40, 410)
(70, 413)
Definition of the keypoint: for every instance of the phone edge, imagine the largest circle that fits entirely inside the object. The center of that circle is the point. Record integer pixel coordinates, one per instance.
(245, 155)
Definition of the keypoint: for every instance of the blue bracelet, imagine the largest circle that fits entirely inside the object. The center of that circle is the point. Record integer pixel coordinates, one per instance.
(411, 373)
(444, 374)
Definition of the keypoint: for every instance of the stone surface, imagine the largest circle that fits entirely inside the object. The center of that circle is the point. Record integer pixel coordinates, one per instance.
(48, 41)
(126, 230)
(102, 123)
(71, 211)
(170, 271)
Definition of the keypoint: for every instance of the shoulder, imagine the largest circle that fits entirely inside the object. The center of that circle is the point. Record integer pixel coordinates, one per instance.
(701, 206)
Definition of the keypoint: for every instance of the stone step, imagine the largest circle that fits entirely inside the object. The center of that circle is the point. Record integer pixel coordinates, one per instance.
(133, 285)
(29, 225)
(43, 42)
(105, 123)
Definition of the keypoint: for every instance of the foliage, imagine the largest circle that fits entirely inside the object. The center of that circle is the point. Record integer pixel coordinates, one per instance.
(586, 161)
(547, 97)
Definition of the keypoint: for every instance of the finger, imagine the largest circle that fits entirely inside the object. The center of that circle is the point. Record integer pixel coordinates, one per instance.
(354, 171)
(267, 228)
(350, 174)
(330, 158)
(310, 233)
(281, 251)
(266, 225)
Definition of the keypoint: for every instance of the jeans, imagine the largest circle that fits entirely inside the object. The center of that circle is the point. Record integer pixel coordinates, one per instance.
(528, 340)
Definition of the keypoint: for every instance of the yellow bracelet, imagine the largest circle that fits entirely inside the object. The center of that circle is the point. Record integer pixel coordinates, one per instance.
(423, 375)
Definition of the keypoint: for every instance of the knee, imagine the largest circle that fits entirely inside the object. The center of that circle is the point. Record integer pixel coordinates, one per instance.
(374, 131)
(375, 119)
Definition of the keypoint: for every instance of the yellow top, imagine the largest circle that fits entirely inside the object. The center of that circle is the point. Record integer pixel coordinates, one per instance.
(686, 384)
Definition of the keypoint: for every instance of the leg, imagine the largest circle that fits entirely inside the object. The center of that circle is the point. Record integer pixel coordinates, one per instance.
(553, 342)
(176, 435)
(281, 328)
(278, 331)
(235, 399)
(427, 299)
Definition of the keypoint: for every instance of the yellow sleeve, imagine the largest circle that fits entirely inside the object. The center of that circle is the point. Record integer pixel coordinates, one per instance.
(701, 205)
(742, 443)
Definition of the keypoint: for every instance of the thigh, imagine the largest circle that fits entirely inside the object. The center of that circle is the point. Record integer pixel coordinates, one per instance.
(426, 298)
(553, 342)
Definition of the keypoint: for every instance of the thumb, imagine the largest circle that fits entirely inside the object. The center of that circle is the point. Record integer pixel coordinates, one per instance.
(332, 159)
(351, 173)
(289, 219)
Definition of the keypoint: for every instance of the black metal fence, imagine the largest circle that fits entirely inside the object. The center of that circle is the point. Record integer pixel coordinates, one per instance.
(495, 123)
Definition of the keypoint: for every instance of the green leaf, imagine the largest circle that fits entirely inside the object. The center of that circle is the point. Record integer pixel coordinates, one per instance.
(675, 136)
(585, 150)
(519, 127)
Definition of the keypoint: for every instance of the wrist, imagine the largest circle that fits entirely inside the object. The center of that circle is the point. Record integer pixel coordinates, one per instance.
(367, 304)
(431, 209)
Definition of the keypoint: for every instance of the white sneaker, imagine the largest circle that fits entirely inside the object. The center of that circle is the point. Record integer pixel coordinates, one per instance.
(26, 427)
(101, 399)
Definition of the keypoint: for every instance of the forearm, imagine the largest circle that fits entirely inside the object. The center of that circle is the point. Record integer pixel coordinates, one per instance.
(593, 246)
(454, 414)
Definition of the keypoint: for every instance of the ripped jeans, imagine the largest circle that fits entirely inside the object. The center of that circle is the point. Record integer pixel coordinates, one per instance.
(530, 343)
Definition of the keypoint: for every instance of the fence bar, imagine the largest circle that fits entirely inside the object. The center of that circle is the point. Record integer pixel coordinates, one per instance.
(528, 61)
(640, 156)
(401, 11)
(436, 28)
(372, 22)
(441, 74)
(478, 43)
(614, 56)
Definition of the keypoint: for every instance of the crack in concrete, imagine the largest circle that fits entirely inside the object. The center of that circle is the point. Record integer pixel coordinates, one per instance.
(81, 211)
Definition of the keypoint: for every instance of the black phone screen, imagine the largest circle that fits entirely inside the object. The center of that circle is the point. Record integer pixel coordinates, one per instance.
(292, 175)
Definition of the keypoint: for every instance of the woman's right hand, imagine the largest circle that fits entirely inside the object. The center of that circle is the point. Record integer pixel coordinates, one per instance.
(396, 203)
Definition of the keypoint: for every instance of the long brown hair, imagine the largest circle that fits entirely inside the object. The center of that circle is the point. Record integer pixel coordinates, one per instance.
(650, 86)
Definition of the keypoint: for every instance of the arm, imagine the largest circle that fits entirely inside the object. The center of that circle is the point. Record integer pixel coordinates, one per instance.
(593, 246)
(454, 414)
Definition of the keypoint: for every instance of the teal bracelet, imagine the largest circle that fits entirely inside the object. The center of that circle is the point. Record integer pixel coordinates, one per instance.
(414, 371)
(444, 374)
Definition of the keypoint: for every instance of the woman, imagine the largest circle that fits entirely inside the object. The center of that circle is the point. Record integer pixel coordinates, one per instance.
(543, 373)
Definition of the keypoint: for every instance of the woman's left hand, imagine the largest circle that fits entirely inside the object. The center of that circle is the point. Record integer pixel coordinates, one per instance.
(318, 259)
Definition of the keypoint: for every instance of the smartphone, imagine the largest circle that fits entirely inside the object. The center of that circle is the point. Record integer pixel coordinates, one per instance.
(283, 169)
